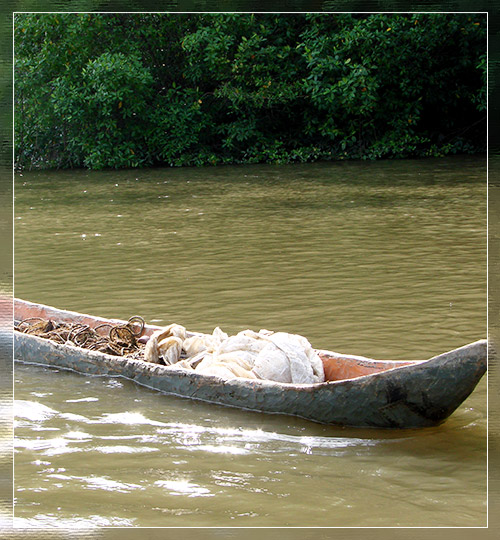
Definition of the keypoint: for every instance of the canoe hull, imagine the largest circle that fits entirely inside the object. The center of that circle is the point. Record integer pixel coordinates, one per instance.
(411, 396)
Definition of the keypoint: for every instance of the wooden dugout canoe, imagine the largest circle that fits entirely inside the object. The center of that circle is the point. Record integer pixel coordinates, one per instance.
(359, 391)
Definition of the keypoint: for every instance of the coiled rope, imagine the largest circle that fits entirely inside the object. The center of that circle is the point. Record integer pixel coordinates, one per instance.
(118, 340)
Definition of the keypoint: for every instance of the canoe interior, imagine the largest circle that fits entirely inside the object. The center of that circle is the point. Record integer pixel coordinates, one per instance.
(337, 366)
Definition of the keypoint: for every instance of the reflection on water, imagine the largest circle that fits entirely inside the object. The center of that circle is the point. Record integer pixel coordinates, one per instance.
(385, 260)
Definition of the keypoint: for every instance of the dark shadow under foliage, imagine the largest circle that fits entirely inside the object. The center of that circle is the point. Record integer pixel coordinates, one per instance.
(133, 90)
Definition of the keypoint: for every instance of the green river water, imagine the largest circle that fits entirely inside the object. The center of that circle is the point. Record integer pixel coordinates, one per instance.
(384, 259)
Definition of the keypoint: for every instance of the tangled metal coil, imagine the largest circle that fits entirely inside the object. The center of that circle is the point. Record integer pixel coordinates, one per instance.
(118, 340)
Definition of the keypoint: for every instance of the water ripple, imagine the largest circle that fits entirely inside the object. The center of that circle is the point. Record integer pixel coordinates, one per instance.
(182, 487)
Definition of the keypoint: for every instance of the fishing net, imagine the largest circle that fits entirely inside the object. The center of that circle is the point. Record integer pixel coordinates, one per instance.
(274, 356)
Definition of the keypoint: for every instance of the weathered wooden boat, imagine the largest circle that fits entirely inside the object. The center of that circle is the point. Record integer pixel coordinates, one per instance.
(358, 391)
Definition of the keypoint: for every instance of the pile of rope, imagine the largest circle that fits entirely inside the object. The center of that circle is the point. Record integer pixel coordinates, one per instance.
(115, 339)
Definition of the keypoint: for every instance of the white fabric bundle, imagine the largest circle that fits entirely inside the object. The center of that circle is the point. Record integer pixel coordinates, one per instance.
(204, 342)
(279, 356)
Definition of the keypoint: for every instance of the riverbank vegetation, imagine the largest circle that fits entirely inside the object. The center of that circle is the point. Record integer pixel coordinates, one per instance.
(134, 90)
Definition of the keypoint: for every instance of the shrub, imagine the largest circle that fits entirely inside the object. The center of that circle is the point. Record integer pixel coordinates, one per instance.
(130, 90)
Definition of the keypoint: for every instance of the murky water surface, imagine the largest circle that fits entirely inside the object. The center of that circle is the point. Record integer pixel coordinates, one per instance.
(380, 259)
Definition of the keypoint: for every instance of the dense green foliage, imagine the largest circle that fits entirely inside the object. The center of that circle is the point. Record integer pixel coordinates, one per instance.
(129, 90)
